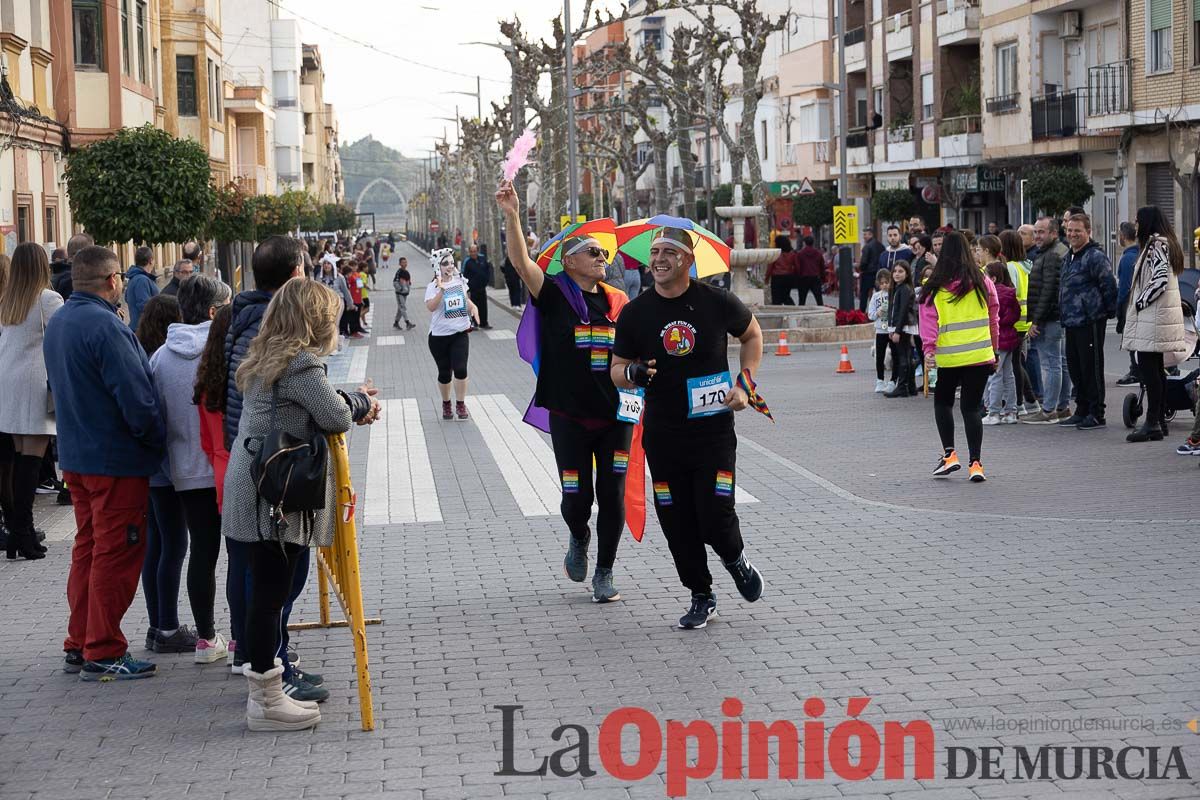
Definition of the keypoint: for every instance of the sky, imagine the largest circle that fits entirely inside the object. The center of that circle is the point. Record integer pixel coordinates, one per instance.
(397, 102)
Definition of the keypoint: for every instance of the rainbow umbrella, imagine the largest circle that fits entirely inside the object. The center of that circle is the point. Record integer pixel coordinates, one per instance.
(602, 230)
(712, 255)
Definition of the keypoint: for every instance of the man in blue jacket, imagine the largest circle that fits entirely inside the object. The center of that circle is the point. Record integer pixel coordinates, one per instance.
(1087, 296)
(1128, 237)
(141, 283)
(111, 438)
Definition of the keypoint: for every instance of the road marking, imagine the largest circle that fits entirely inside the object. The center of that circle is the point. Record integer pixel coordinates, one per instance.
(385, 341)
(500, 334)
(348, 366)
(400, 485)
(526, 462)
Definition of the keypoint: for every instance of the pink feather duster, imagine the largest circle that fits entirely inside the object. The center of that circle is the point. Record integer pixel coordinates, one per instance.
(518, 156)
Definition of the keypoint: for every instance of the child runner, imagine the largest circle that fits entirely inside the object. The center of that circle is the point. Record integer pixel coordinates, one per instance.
(877, 310)
(1001, 392)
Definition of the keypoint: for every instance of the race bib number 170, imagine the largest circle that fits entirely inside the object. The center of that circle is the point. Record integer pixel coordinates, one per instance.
(706, 395)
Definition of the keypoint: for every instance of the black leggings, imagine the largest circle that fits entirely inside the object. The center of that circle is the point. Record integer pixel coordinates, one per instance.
(204, 535)
(166, 548)
(902, 362)
(1154, 378)
(450, 354)
(882, 343)
(574, 448)
(350, 322)
(972, 379)
(271, 572)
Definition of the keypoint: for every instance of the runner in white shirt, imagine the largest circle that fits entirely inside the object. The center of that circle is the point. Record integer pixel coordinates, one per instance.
(446, 298)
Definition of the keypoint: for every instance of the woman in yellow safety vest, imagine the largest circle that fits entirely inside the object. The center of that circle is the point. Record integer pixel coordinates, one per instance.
(960, 330)
(1012, 250)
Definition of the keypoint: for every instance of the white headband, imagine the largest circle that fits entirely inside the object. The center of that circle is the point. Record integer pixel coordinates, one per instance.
(584, 244)
(678, 245)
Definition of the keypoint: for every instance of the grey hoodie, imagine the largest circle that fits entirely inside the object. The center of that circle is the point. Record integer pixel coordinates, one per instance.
(174, 368)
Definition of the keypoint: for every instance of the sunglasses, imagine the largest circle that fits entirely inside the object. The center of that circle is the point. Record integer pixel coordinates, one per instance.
(594, 252)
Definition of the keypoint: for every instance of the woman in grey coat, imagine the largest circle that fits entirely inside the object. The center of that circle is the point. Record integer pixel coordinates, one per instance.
(26, 307)
(299, 328)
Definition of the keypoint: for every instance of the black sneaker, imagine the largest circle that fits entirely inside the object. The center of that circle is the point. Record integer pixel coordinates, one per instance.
(575, 565)
(311, 678)
(703, 607)
(72, 661)
(1070, 422)
(747, 577)
(1091, 424)
(183, 640)
(297, 688)
(48, 487)
(1128, 379)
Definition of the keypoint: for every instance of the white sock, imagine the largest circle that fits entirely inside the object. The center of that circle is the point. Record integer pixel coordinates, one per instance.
(165, 633)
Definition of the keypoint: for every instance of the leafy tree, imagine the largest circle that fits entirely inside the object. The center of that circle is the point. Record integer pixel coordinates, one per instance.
(141, 185)
(723, 195)
(891, 204)
(1055, 189)
(338, 217)
(232, 217)
(814, 209)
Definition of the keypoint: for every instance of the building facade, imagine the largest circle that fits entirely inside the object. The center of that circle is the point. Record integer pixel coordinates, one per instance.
(321, 165)
(194, 86)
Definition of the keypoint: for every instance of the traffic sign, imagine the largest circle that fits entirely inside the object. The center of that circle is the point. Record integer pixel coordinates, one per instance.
(565, 220)
(845, 225)
(434, 227)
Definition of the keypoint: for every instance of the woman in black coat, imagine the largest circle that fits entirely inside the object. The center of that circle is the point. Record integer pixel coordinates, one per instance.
(902, 323)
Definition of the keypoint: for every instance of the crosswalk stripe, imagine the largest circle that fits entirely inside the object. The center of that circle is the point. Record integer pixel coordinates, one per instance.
(526, 462)
(400, 485)
(384, 341)
(500, 334)
(348, 366)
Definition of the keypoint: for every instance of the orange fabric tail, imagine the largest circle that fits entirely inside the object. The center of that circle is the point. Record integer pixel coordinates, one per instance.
(635, 486)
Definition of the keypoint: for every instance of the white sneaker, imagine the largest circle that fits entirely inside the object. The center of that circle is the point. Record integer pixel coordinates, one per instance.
(1010, 418)
(991, 419)
(211, 650)
(890, 386)
(880, 386)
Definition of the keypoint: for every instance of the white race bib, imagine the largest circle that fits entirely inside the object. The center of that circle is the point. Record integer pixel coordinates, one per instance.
(706, 395)
(454, 302)
(630, 403)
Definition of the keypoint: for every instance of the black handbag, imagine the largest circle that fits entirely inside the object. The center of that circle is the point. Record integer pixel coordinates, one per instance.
(289, 473)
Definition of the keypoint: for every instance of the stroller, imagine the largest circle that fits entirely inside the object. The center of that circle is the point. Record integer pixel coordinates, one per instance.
(1182, 390)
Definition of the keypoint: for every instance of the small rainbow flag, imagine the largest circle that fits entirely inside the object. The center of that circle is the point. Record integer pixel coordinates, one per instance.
(620, 461)
(724, 483)
(599, 360)
(583, 336)
(570, 481)
(604, 336)
(662, 493)
(755, 399)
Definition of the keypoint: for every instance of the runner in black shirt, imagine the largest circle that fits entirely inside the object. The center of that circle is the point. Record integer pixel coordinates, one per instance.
(674, 342)
(577, 326)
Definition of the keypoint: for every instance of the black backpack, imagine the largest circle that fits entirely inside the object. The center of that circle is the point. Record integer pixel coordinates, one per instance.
(288, 473)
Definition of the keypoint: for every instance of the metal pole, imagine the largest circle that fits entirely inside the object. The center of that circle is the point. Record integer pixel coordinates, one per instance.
(845, 268)
(708, 189)
(572, 156)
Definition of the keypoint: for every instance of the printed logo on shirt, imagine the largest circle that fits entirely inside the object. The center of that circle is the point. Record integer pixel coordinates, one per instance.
(599, 360)
(570, 481)
(724, 483)
(662, 493)
(620, 461)
(679, 338)
(583, 336)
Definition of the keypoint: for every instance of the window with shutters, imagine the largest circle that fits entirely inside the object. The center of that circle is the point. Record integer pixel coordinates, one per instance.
(126, 55)
(1160, 189)
(814, 122)
(88, 34)
(1158, 42)
(185, 80)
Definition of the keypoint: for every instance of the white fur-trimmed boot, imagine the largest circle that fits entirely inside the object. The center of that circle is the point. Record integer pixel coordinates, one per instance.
(269, 709)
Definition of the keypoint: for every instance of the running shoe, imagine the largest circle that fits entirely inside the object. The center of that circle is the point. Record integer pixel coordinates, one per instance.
(576, 563)
(1128, 379)
(704, 606)
(410, 325)
(125, 668)
(1009, 419)
(1041, 418)
(603, 590)
(992, 419)
(976, 473)
(890, 386)
(747, 577)
(72, 661)
(1092, 423)
(297, 688)
(211, 650)
(183, 640)
(311, 678)
(460, 408)
(1071, 421)
(880, 386)
(1188, 448)
(447, 410)
(947, 464)
(49, 486)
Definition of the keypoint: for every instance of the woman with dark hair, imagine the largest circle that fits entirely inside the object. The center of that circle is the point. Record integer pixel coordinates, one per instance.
(781, 273)
(26, 415)
(902, 324)
(1012, 252)
(923, 256)
(960, 332)
(1153, 315)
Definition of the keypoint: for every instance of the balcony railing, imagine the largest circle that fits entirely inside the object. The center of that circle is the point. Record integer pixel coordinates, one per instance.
(898, 22)
(901, 133)
(856, 139)
(1004, 104)
(950, 6)
(856, 36)
(1057, 116)
(957, 126)
(1108, 89)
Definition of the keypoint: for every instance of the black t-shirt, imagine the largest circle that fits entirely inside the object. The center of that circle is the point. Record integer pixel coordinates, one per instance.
(688, 336)
(573, 378)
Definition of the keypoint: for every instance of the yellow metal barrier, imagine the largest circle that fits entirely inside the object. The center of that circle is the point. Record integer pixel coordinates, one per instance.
(338, 565)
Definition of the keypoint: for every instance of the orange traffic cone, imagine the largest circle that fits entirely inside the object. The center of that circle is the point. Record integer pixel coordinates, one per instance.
(844, 365)
(782, 349)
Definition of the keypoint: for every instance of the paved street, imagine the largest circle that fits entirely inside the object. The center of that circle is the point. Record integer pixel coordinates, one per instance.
(1062, 591)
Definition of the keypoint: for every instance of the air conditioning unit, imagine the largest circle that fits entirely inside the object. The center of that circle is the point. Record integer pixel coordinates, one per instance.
(1070, 25)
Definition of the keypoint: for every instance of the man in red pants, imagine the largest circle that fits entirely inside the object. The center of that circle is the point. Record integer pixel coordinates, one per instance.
(111, 438)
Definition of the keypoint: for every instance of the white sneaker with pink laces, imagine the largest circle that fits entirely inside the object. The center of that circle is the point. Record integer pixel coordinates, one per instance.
(210, 650)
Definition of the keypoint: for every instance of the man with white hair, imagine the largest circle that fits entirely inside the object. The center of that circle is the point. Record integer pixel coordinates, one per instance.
(672, 342)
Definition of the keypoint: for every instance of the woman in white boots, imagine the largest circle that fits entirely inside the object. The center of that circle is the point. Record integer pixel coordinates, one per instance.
(285, 390)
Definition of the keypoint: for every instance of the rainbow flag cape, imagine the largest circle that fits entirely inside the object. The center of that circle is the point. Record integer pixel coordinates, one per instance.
(529, 346)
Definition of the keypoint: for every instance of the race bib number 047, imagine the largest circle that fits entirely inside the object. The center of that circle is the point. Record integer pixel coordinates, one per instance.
(453, 302)
(706, 395)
